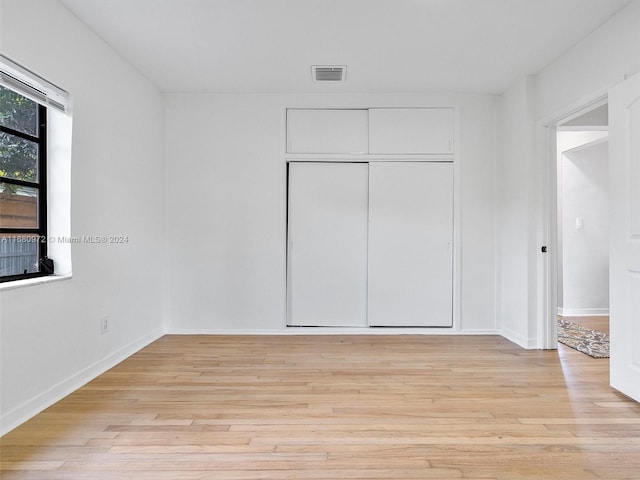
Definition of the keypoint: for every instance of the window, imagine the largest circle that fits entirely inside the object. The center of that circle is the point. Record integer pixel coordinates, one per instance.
(23, 182)
(33, 111)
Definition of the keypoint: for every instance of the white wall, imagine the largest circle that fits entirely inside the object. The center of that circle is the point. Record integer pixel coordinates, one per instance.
(598, 62)
(227, 211)
(585, 250)
(580, 75)
(515, 192)
(50, 336)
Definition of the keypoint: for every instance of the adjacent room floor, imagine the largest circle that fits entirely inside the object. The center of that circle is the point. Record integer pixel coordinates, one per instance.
(336, 407)
(599, 323)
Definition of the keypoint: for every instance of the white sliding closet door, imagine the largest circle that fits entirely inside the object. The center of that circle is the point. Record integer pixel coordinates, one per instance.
(410, 244)
(327, 244)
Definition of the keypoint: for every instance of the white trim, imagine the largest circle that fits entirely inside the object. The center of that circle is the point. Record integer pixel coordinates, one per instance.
(453, 157)
(457, 220)
(546, 153)
(576, 109)
(331, 331)
(547, 272)
(583, 312)
(283, 212)
(20, 414)
(524, 342)
(27, 282)
(369, 157)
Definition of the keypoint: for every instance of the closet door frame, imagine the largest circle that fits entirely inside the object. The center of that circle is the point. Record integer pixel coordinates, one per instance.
(456, 321)
(288, 157)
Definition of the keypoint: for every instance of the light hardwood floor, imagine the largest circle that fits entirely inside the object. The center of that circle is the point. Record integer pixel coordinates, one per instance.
(336, 407)
(600, 322)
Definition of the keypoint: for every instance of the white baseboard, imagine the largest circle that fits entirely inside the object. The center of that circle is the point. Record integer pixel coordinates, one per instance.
(30, 408)
(518, 339)
(583, 312)
(332, 331)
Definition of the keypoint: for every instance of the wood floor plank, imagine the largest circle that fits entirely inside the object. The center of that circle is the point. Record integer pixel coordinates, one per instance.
(333, 407)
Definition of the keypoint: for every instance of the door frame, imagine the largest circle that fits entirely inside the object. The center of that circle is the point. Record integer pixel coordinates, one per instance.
(547, 234)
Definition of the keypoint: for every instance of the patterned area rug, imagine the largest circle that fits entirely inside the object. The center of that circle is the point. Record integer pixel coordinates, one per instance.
(591, 342)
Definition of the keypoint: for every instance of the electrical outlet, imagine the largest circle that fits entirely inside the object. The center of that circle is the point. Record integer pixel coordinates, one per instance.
(104, 324)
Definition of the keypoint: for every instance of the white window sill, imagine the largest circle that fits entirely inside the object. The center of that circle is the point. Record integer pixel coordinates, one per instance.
(27, 282)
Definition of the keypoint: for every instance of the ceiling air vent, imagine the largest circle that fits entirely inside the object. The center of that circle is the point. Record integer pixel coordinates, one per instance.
(329, 73)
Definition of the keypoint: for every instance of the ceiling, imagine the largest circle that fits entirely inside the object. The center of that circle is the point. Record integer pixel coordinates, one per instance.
(261, 46)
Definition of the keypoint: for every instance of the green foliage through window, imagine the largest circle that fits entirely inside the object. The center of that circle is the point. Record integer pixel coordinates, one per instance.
(18, 156)
(22, 186)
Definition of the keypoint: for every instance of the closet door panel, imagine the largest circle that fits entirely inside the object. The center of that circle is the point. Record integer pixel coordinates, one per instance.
(410, 244)
(327, 244)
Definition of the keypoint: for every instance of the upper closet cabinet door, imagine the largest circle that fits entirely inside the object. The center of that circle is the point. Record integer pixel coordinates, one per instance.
(411, 131)
(327, 131)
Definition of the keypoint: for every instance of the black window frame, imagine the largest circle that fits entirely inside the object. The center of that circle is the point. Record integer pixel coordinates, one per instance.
(41, 185)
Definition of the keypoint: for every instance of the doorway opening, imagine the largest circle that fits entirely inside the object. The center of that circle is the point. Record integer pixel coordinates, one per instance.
(583, 219)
